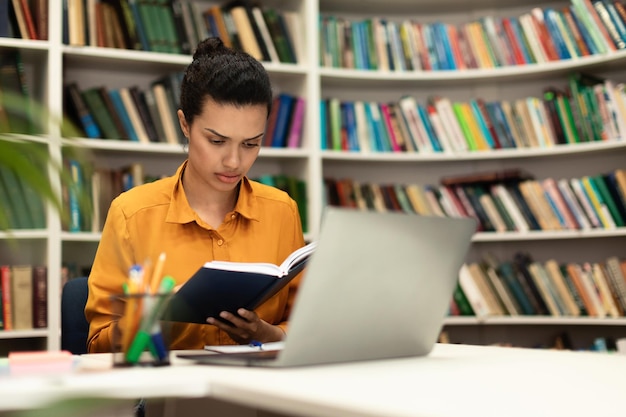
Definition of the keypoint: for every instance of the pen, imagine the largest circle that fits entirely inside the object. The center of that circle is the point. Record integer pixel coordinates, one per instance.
(145, 334)
(256, 343)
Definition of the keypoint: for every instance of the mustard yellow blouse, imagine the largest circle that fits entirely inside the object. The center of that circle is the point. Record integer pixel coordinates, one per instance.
(156, 217)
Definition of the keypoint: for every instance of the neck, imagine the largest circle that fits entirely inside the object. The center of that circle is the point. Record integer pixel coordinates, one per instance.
(208, 201)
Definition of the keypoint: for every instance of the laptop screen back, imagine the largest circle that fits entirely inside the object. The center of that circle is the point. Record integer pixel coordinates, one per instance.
(378, 286)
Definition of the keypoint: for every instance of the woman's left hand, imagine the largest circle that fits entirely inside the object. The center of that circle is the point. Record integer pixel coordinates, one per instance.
(247, 326)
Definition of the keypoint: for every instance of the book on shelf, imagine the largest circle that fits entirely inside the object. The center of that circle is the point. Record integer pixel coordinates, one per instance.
(7, 297)
(22, 296)
(604, 288)
(120, 108)
(112, 109)
(250, 34)
(133, 114)
(15, 101)
(97, 107)
(568, 302)
(491, 267)
(138, 100)
(285, 109)
(18, 195)
(167, 115)
(617, 278)
(548, 292)
(40, 296)
(127, 25)
(17, 13)
(521, 262)
(472, 293)
(77, 110)
(280, 35)
(227, 286)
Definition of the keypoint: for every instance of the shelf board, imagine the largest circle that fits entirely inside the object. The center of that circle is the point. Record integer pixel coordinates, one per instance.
(81, 236)
(25, 44)
(496, 154)
(535, 320)
(23, 334)
(114, 146)
(547, 235)
(412, 7)
(25, 234)
(89, 56)
(111, 145)
(340, 77)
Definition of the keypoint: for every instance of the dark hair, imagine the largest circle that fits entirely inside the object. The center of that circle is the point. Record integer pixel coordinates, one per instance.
(225, 75)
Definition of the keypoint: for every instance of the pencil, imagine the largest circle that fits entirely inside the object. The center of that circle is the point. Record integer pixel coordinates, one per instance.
(157, 274)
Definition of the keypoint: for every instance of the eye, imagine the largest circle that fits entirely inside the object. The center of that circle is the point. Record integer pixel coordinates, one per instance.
(254, 144)
(216, 141)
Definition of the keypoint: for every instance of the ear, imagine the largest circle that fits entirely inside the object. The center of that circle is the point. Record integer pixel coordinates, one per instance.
(183, 123)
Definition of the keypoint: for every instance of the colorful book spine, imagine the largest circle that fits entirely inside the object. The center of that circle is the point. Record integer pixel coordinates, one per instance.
(294, 139)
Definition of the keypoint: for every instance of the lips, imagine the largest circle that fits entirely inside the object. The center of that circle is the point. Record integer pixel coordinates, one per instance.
(228, 178)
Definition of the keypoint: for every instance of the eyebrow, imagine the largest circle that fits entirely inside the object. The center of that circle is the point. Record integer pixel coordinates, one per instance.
(226, 137)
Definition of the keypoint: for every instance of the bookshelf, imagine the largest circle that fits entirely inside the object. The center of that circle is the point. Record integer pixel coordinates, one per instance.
(506, 82)
(51, 64)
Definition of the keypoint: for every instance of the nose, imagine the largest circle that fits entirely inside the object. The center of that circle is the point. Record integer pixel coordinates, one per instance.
(231, 157)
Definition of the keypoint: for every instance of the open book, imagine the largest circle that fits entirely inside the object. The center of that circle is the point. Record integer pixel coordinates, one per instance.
(227, 286)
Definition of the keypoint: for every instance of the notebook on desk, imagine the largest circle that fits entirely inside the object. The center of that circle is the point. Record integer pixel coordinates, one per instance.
(378, 286)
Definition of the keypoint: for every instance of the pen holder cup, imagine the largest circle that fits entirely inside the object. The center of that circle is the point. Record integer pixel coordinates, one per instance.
(137, 338)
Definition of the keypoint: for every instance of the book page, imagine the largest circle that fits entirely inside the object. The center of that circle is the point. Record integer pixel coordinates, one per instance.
(297, 256)
(264, 267)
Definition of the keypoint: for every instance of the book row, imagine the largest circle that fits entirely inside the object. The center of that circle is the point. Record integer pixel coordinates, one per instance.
(127, 113)
(86, 199)
(15, 102)
(523, 286)
(149, 115)
(582, 28)
(176, 26)
(500, 203)
(560, 341)
(24, 19)
(22, 207)
(23, 297)
(587, 109)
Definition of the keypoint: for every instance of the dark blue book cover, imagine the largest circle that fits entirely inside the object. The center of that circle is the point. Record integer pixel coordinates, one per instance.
(229, 286)
(279, 140)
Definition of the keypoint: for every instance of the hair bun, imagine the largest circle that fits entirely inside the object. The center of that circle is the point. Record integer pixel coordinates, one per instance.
(209, 47)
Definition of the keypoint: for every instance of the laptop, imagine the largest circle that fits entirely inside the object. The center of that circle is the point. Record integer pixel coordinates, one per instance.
(378, 286)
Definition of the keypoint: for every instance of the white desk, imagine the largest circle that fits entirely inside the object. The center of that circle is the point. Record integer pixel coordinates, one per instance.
(463, 381)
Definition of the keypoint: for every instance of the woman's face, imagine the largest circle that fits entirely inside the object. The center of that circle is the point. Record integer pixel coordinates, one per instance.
(224, 142)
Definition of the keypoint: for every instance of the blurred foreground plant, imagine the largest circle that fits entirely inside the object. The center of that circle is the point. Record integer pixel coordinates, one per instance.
(25, 151)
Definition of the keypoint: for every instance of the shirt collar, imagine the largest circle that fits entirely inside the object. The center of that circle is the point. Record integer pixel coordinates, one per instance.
(181, 212)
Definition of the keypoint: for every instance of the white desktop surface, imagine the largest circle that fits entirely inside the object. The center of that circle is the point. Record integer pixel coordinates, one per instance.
(460, 381)
(453, 381)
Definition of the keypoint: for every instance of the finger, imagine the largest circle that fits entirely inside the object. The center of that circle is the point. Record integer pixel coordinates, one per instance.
(238, 322)
(248, 314)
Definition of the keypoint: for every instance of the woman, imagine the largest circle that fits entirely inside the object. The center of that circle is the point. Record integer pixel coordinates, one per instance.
(208, 210)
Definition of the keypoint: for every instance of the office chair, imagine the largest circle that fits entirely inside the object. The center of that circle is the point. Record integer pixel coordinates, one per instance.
(75, 327)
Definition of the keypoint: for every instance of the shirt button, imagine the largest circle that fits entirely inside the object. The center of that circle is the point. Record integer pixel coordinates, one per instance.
(232, 216)
(220, 242)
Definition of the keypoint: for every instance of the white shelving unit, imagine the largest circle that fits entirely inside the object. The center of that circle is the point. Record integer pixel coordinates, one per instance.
(50, 64)
(500, 83)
